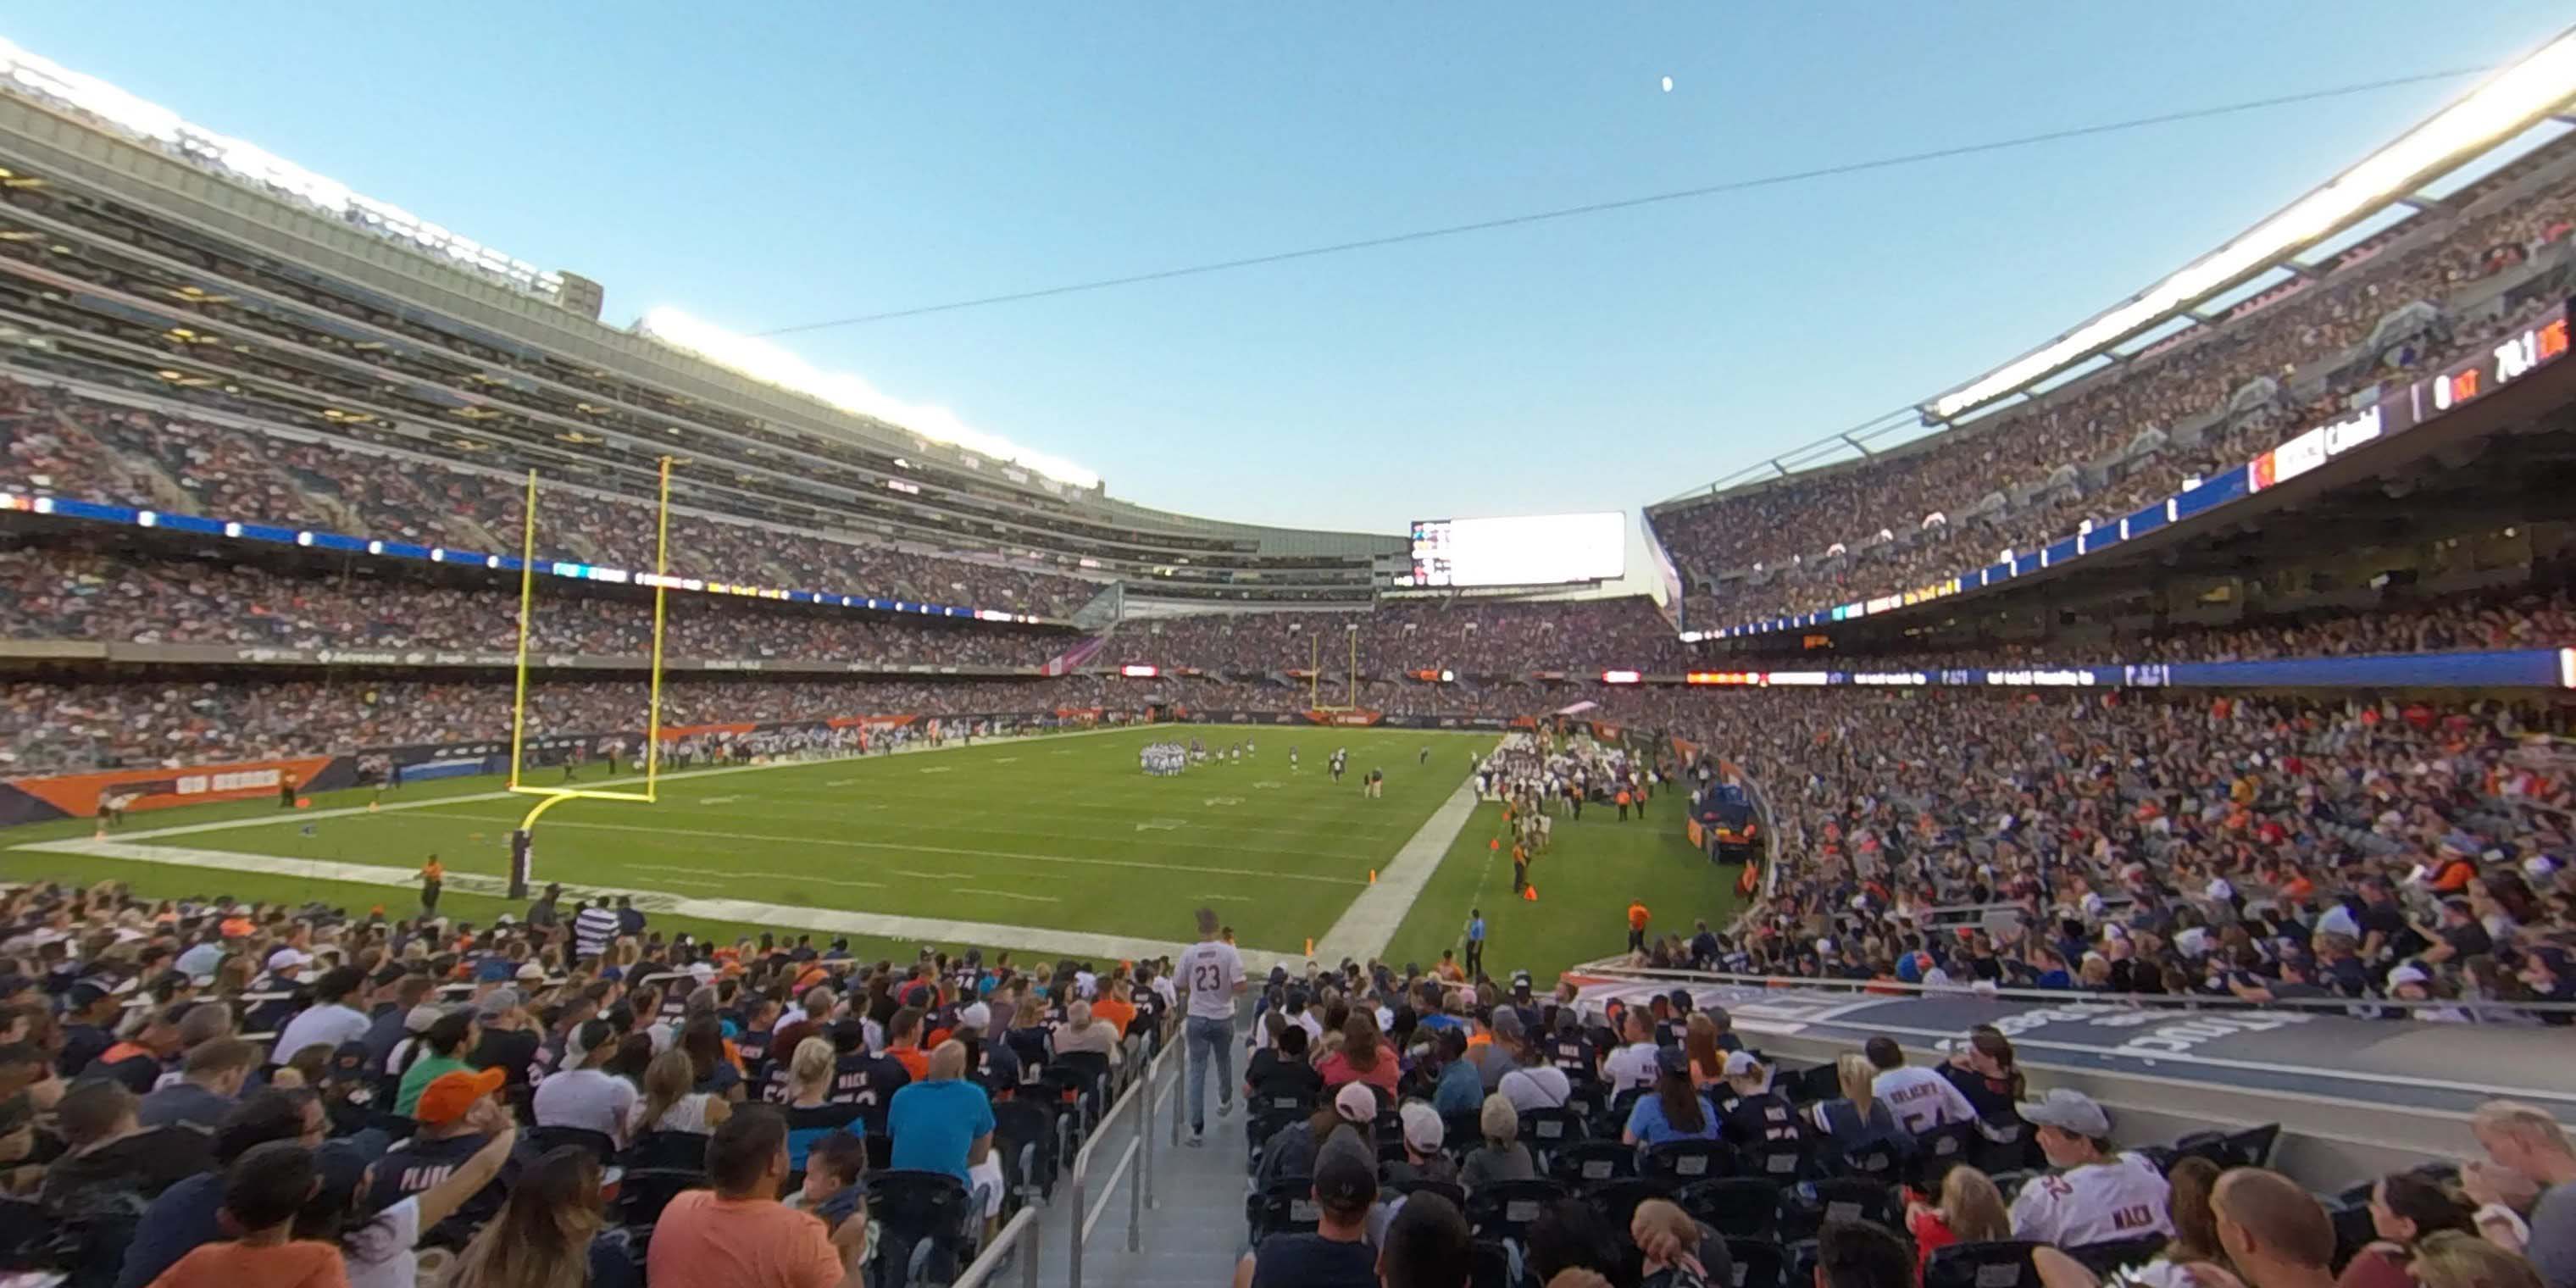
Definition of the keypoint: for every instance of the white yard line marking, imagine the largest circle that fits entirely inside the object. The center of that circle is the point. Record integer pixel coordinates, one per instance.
(844, 843)
(1005, 894)
(744, 912)
(936, 769)
(773, 876)
(720, 800)
(1366, 927)
(1226, 898)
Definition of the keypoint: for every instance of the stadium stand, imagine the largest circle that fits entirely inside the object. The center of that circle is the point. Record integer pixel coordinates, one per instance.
(2107, 444)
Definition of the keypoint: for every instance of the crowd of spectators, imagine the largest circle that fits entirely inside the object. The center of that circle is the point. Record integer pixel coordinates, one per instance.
(2520, 618)
(50, 593)
(1468, 636)
(1793, 529)
(2226, 847)
(210, 1092)
(59, 443)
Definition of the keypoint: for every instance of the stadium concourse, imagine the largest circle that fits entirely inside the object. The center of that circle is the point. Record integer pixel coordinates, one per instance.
(2247, 818)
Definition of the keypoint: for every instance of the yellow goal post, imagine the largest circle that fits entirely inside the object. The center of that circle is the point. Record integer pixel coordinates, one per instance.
(522, 839)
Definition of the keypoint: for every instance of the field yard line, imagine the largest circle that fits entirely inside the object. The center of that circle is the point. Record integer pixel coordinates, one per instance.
(739, 911)
(774, 876)
(1005, 894)
(388, 807)
(1369, 924)
(943, 849)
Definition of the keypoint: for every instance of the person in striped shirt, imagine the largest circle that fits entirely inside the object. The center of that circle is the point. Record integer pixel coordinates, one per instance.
(594, 928)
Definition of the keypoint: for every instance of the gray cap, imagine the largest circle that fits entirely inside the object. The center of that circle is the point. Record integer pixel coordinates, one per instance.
(497, 1003)
(2068, 1111)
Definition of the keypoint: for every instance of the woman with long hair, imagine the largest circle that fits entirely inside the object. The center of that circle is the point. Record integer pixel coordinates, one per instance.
(2405, 1210)
(1707, 1059)
(2195, 1221)
(1856, 1121)
(2451, 1259)
(547, 1235)
(702, 1040)
(1363, 1057)
(672, 1101)
(1676, 1111)
(1970, 1210)
(811, 1115)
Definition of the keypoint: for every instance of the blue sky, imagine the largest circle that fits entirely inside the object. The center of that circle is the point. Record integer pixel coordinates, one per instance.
(791, 162)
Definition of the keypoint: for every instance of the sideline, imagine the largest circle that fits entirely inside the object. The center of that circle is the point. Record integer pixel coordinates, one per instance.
(1369, 924)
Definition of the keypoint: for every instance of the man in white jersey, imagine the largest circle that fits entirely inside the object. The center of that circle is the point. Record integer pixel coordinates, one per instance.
(1211, 977)
(2094, 1195)
(1921, 1099)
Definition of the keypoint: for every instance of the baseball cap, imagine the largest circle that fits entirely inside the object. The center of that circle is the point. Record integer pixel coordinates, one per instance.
(531, 973)
(348, 1062)
(1356, 1103)
(976, 1016)
(1739, 1064)
(1423, 1129)
(288, 959)
(451, 1096)
(2068, 1110)
(1672, 1060)
(498, 1002)
(1345, 1174)
(419, 1018)
(2408, 974)
(86, 993)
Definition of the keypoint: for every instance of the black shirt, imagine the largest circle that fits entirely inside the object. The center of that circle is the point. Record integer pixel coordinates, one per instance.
(1313, 1261)
(1273, 1080)
(419, 1166)
(868, 1082)
(82, 1043)
(1761, 1120)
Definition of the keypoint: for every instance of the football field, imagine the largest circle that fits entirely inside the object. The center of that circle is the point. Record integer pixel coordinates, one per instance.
(1047, 846)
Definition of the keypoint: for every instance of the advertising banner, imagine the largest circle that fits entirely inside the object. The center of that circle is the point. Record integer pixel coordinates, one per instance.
(36, 799)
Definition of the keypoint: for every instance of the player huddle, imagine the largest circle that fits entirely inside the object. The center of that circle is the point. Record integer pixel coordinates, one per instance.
(1163, 759)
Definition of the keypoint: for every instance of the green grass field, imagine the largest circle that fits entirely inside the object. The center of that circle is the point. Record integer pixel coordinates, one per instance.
(1045, 846)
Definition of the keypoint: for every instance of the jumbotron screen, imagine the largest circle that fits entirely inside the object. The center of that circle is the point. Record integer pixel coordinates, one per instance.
(1531, 550)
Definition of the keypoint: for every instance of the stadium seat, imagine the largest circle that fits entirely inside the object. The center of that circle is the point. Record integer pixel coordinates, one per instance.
(1686, 1161)
(1547, 1130)
(1876, 1163)
(1504, 1209)
(925, 1223)
(1489, 1264)
(2003, 1263)
(1287, 1207)
(1461, 1132)
(1588, 1162)
(1450, 1190)
(1590, 1102)
(2249, 1147)
(599, 1144)
(1618, 1200)
(643, 1192)
(1939, 1149)
(1759, 1263)
(1813, 1085)
(2118, 1254)
(681, 1150)
(2005, 1146)
(2010, 1183)
(1780, 1162)
(1739, 1207)
(1024, 1132)
(1805, 1208)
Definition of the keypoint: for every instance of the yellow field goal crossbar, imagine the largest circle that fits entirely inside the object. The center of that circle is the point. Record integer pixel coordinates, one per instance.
(549, 797)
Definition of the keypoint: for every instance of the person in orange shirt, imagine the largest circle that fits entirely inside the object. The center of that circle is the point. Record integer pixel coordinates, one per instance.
(738, 1235)
(1623, 804)
(903, 1043)
(1636, 926)
(433, 880)
(263, 1190)
(1113, 1004)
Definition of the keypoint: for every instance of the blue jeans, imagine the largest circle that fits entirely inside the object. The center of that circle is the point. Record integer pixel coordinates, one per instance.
(1209, 1040)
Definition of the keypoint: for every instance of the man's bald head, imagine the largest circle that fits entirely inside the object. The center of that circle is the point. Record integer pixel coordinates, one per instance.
(948, 1060)
(2266, 1216)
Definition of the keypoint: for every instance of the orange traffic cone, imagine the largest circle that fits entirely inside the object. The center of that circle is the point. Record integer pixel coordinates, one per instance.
(1530, 892)
(1372, 876)
(1310, 946)
(1494, 844)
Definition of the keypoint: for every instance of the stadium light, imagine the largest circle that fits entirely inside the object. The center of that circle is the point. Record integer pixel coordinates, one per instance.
(770, 364)
(2512, 101)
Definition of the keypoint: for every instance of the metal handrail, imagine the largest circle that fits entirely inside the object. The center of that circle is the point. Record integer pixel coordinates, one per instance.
(1022, 1228)
(1891, 989)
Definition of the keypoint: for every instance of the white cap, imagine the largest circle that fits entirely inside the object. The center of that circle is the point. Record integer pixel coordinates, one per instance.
(2408, 974)
(976, 1016)
(532, 972)
(288, 958)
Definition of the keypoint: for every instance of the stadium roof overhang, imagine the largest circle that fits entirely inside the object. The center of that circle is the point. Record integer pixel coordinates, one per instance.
(2540, 87)
(2508, 103)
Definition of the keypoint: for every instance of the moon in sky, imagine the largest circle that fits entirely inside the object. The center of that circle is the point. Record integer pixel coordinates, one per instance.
(1668, 84)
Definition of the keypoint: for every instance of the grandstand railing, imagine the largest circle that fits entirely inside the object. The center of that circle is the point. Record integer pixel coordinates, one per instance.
(1623, 968)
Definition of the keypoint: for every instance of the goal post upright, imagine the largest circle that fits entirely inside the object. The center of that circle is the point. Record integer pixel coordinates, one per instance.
(548, 797)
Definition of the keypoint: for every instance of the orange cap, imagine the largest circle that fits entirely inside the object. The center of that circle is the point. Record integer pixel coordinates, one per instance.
(450, 1096)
